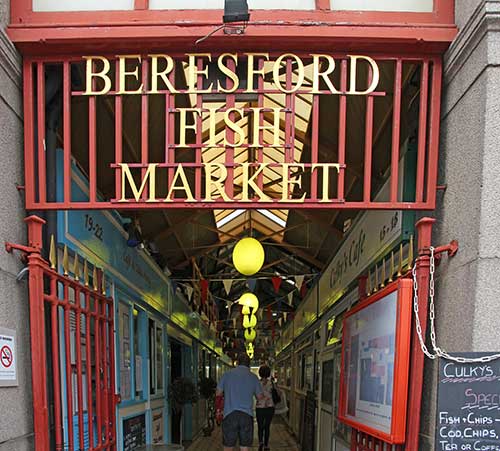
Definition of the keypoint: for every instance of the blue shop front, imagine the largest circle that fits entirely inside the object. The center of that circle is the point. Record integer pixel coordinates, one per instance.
(158, 336)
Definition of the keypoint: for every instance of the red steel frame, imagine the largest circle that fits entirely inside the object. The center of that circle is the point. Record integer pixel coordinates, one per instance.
(403, 287)
(93, 372)
(36, 182)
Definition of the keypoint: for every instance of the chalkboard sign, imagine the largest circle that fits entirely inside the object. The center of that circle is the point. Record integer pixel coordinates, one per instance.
(134, 432)
(468, 414)
(309, 425)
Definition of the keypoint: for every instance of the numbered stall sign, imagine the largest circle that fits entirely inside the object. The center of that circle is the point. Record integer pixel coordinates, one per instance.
(8, 364)
(468, 414)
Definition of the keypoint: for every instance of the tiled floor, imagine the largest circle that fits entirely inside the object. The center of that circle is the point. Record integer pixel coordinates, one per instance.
(281, 439)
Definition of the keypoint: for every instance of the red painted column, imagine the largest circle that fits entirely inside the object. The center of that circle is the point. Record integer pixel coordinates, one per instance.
(37, 331)
(424, 232)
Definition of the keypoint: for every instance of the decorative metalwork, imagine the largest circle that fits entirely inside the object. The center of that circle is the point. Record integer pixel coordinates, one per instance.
(410, 254)
(400, 267)
(76, 268)
(94, 279)
(285, 105)
(53, 253)
(85, 273)
(65, 261)
(391, 269)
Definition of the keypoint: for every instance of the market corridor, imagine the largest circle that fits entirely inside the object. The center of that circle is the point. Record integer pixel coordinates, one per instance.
(281, 439)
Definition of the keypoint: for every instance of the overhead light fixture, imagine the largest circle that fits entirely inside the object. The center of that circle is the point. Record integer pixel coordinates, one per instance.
(248, 256)
(235, 19)
(236, 11)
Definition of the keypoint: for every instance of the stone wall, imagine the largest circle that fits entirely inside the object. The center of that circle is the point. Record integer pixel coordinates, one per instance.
(16, 424)
(468, 285)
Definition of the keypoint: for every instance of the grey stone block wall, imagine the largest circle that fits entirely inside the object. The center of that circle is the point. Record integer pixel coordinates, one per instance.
(468, 286)
(16, 423)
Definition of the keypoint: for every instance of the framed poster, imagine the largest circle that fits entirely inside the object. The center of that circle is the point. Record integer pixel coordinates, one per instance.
(134, 432)
(375, 363)
(157, 426)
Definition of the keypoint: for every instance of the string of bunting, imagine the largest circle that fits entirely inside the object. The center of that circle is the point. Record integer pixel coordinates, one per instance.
(240, 279)
(251, 283)
(210, 310)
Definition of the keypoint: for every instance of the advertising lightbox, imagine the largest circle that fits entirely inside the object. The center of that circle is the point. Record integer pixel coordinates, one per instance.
(375, 363)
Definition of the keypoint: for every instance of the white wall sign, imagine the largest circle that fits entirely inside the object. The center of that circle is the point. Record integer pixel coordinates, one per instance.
(8, 358)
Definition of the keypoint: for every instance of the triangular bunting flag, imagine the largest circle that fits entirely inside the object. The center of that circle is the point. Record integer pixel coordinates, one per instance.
(227, 285)
(235, 333)
(251, 284)
(277, 283)
(204, 290)
(285, 316)
(290, 298)
(280, 322)
(299, 280)
(303, 291)
(189, 290)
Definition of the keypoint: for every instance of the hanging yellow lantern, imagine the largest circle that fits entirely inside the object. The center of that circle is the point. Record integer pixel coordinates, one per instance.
(249, 321)
(250, 335)
(248, 256)
(249, 301)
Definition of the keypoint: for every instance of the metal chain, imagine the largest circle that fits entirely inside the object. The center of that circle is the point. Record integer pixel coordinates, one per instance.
(438, 352)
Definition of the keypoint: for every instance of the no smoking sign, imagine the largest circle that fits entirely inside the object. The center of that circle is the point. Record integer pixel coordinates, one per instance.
(6, 357)
(8, 370)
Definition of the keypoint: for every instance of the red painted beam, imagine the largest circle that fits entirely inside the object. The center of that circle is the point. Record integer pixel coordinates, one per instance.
(22, 14)
(407, 40)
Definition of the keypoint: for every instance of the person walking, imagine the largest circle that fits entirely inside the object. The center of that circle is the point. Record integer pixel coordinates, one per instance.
(239, 387)
(265, 408)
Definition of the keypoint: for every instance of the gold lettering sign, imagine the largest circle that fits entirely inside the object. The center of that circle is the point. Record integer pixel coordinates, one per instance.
(99, 71)
(216, 176)
(238, 127)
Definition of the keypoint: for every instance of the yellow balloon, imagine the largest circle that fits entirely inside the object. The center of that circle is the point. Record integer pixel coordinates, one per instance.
(250, 334)
(249, 321)
(248, 256)
(249, 301)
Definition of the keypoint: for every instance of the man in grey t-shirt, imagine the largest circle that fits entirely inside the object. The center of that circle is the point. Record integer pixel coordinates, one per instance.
(239, 387)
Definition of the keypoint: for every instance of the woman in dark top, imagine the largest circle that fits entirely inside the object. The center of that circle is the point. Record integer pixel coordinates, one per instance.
(265, 408)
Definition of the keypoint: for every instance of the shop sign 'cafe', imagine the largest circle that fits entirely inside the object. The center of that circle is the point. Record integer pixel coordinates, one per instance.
(101, 80)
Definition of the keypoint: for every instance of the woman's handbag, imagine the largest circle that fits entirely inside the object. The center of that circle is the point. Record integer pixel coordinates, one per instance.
(275, 395)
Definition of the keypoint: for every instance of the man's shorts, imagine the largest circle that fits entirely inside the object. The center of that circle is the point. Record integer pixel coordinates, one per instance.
(237, 425)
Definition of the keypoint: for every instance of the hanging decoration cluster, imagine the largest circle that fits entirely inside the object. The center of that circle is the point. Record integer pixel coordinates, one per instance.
(250, 305)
